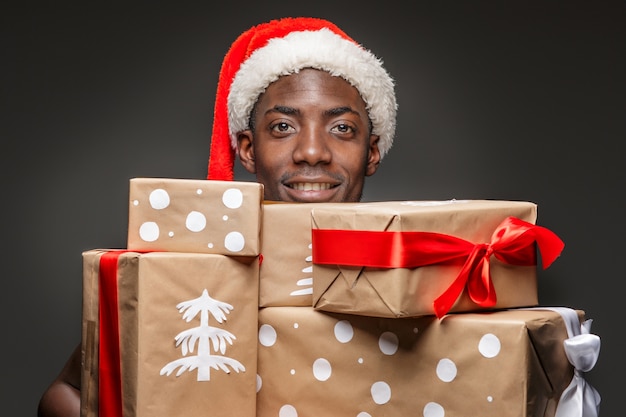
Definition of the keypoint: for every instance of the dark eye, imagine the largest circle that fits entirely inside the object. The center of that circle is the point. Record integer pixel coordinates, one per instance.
(343, 129)
(282, 127)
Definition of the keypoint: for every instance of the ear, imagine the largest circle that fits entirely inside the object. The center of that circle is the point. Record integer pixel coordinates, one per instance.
(373, 156)
(245, 148)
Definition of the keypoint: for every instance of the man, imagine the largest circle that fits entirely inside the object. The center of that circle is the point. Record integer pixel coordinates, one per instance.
(308, 110)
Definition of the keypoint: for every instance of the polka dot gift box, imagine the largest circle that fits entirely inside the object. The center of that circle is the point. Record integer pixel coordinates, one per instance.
(201, 216)
(510, 363)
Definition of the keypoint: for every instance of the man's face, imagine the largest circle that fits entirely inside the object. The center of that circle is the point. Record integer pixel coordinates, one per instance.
(311, 140)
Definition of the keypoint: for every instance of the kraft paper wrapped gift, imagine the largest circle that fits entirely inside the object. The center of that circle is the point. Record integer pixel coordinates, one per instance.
(413, 258)
(286, 276)
(509, 363)
(202, 216)
(167, 333)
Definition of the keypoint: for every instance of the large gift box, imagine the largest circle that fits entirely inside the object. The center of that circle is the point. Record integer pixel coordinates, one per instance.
(412, 258)
(168, 334)
(286, 274)
(509, 363)
(186, 215)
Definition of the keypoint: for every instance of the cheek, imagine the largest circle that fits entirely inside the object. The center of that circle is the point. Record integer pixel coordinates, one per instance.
(354, 162)
(269, 162)
(270, 159)
(273, 153)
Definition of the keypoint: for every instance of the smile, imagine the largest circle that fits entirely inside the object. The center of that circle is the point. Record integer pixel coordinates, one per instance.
(311, 186)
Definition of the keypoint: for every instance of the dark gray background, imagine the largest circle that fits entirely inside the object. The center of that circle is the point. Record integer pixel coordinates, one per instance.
(498, 100)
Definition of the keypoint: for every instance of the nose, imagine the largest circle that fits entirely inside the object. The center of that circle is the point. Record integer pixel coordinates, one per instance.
(312, 147)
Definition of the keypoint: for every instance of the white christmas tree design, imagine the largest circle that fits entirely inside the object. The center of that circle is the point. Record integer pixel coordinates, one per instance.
(306, 283)
(203, 361)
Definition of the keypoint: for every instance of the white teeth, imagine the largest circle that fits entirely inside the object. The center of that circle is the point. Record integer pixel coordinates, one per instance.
(310, 186)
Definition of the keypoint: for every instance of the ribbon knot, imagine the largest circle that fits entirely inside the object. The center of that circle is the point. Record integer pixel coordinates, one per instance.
(513, 242)
(488, 251)
(475, 276)
(582, 351)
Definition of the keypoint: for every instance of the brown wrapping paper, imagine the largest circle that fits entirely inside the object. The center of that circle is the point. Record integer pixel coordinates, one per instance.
(286, 277)
(151, 286)
(410, 292)
(89, 339)
(508, 364)
(202, 216)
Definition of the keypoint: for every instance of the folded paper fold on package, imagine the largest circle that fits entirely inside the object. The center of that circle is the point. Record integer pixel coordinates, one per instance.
(508, 363)
(164, 323)
(201, 216)
(466, 262)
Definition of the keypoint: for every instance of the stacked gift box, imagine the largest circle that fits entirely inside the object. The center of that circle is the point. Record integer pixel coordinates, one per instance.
(170, 323)
(224, 305)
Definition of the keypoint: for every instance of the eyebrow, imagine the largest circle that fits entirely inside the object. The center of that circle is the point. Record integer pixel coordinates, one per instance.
(336, 111)
(284, 110)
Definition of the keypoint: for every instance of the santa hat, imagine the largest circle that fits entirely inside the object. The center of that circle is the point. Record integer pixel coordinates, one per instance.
(265, 52)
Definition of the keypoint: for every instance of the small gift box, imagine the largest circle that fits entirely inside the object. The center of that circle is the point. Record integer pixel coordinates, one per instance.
(202, 216)
(404, 259)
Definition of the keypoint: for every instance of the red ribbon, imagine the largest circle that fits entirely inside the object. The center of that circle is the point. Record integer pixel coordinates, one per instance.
(109, 372)
(513, 242)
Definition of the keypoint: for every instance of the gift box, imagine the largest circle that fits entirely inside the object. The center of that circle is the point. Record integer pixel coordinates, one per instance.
(167, 333)
(509, 363)
(202, 216)
(406, 259)
(286, 276)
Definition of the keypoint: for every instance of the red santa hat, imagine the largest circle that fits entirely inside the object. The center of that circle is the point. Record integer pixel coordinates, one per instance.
(264, 53)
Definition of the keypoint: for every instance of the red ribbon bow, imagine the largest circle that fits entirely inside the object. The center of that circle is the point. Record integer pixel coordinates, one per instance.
(513, 242)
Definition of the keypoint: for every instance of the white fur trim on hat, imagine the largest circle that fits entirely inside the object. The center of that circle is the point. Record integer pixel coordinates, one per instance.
(323, 50)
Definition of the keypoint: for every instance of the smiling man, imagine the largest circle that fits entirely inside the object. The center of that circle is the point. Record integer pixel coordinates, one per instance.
(309, 112)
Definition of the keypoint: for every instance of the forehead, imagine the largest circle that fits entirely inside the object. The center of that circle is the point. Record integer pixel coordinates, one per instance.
(313, 86)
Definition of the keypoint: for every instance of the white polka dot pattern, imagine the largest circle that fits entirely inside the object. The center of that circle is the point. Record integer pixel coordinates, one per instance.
(201, 216)
(314, 363)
